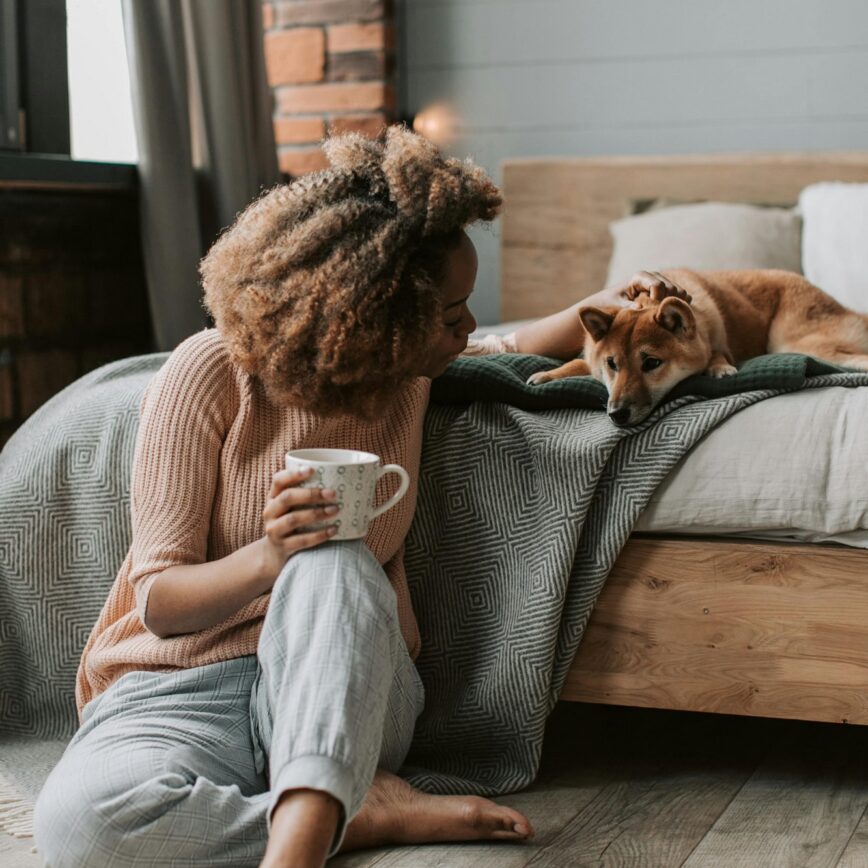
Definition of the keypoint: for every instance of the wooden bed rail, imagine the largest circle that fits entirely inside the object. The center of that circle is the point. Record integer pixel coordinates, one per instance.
(733, 627)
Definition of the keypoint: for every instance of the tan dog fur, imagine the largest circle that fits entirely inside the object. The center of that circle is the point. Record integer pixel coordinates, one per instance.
(693, 322)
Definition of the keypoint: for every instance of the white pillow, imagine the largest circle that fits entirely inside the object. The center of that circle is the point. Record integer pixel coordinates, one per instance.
(705, 235)
(835, 240)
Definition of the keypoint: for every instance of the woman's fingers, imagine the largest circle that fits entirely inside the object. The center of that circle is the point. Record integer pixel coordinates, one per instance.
(283, 478)
(301, 518)
(300, 541)
(295, 496)
(656, 285)
(666, 288)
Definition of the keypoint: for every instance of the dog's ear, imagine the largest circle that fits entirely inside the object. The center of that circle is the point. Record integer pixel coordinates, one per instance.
(676, 316)
(596, 321)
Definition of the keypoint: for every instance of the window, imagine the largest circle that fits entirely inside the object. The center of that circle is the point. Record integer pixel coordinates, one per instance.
(100, 108)
(64, 83)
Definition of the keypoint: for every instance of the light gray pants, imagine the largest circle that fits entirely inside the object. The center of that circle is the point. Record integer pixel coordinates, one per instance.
(185, 768)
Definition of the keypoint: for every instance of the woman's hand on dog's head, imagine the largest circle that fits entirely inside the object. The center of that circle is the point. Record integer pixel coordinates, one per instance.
(656, 286)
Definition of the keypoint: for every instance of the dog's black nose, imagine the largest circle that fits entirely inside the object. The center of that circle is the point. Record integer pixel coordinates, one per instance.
(620, 417)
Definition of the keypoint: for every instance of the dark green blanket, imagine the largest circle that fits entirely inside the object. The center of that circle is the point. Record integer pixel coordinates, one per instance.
(502, 378)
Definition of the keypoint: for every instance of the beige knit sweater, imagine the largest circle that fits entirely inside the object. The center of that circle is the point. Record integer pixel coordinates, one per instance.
(208, 444)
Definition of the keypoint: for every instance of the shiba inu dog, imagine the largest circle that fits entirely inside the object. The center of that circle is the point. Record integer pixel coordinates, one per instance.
(642, 339)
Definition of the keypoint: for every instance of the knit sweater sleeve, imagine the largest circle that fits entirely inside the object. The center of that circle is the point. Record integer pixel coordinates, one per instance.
(185, 414)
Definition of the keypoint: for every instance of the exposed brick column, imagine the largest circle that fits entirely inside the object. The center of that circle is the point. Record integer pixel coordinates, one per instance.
(331, 66)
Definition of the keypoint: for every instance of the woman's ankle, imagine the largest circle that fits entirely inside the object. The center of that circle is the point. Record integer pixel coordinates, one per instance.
(303, 827)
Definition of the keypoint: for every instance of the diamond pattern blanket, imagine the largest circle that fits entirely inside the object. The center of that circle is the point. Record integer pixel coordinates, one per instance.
(521, 514)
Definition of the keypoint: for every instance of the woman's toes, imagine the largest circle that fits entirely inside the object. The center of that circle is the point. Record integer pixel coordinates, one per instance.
(496, 820)
(517, 824)
(524, 829)
(512, 831)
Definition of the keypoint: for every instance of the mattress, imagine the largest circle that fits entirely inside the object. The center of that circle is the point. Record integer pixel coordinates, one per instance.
(793, 467)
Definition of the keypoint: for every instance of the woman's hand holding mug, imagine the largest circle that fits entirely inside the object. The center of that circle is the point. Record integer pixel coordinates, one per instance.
(288, 512)
(303, 498)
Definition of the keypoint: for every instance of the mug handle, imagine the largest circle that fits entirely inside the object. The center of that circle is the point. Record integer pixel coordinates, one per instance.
(402, 488)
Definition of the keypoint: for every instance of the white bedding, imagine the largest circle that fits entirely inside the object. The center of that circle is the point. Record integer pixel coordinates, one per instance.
(794, 466)
(791, 467)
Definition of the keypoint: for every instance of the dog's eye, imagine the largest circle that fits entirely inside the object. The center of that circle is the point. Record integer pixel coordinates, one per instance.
(650, 363)
(611, 363)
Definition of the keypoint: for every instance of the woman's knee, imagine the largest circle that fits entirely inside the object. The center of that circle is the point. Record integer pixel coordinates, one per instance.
(86, 814)
(65, 822)
(348, 564)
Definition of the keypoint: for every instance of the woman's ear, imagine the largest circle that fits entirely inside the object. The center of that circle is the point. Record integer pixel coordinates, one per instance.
(596, 321)
(676, 316)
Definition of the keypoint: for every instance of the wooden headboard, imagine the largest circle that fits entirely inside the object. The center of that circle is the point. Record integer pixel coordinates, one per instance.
(555, 236)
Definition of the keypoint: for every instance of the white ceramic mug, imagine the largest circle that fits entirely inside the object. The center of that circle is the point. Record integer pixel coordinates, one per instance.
(353, 475)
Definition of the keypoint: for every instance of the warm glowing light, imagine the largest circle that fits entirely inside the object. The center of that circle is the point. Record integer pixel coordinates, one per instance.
(437, 122)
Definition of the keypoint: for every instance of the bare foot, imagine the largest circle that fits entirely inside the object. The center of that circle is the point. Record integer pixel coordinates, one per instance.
(395, 813)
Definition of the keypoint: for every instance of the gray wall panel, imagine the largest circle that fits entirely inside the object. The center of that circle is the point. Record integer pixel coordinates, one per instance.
(567, 95)
(474, 33)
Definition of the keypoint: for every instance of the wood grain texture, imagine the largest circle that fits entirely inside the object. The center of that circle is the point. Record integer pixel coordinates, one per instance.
(556, 243)
(795, 811)
(623, 825)
(730, 626)
(666, 787)
(855, 854)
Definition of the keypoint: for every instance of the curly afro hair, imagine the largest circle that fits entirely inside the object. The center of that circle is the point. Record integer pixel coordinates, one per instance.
(327, 289)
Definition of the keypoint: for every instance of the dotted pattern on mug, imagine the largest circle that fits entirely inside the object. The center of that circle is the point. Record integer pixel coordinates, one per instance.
(342, 490)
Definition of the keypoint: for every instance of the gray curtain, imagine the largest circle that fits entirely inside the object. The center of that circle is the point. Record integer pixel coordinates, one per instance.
(202, 109)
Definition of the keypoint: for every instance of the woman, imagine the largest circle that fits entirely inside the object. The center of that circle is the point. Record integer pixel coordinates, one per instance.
(247, 692)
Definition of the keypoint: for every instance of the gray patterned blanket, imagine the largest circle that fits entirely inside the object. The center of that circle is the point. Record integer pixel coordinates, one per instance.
(521, 514)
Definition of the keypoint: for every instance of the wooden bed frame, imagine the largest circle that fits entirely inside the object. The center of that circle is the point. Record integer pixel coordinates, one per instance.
(698, 624)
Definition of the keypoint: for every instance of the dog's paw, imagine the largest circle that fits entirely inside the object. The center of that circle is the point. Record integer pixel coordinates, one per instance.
(539, 378)
(722, 370)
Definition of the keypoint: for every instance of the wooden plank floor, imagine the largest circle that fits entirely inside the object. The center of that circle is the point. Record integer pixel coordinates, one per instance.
(653, 789)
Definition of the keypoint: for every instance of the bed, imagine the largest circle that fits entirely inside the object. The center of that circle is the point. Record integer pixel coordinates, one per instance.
(743, 621)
